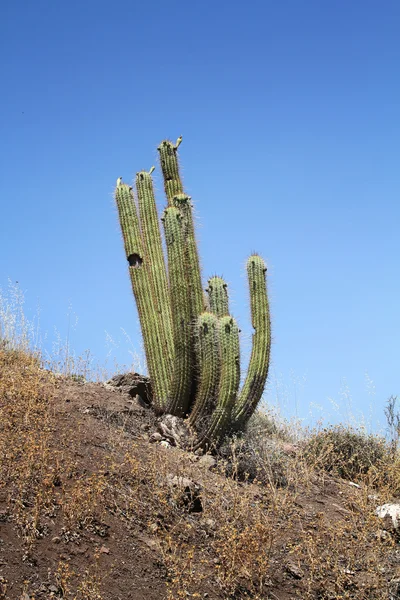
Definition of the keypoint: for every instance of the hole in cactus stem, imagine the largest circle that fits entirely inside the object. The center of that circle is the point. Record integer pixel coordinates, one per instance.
(135, 260)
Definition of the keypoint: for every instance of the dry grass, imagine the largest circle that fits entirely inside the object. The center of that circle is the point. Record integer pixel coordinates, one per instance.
(276, 520)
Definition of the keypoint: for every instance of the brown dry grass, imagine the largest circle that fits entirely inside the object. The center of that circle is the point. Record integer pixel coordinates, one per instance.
(272, 524)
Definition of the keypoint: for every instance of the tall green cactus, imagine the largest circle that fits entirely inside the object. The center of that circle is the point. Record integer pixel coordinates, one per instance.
(179, 401)
(139, 270)
(218, 296)
(193, 356)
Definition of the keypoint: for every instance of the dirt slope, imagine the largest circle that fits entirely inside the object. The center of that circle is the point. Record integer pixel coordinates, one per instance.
(90, 509)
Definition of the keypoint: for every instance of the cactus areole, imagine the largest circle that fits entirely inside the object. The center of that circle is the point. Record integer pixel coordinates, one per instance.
(190, 339)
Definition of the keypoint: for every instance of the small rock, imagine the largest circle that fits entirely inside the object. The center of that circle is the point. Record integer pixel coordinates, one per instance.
(174, 429)
(104, 550)
(209, 523)
(165, 444)
(56, 540)
(294, 571)
(356, 485)
(188, 492)
(394, 589)
(389, 510)
(137, 386)
(153, 527)
(53, 588)
(155, 437)
(382, 535)
(207, 461)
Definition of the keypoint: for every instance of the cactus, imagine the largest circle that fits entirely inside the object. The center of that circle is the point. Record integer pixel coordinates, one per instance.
(208, 367)
(218, 296)
(228, 338)
(140, 279)
(157, 272)
(257, 373)
(180, 304)
(191, 341)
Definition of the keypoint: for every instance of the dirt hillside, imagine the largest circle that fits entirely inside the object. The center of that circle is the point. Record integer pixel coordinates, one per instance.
(91, 509)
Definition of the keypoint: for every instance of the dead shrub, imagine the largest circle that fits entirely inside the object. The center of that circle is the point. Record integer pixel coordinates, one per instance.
(345, 452)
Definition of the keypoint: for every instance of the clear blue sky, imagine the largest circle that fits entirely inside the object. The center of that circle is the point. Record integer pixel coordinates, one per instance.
(290, 117)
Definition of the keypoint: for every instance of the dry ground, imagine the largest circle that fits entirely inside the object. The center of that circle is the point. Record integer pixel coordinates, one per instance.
(89, 509)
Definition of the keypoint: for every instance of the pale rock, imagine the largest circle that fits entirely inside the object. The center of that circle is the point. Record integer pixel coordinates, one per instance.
(389, 510)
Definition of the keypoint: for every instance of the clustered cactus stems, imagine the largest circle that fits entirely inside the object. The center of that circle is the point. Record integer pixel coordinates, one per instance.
(191, 341)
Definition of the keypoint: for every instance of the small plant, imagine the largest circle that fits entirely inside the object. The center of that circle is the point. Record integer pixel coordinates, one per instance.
(345, 451)
(191, 341)
(393, 420)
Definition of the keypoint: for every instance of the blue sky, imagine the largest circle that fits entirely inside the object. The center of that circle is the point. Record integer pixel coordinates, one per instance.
(289, 113)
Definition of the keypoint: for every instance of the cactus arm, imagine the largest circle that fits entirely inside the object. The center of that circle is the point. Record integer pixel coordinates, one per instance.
(228, 334)
(170, 168)
(193, 271)
(158, 275)
(257, 374)
(180, 305)
(208, 367)
(138, 272)
(218, 296)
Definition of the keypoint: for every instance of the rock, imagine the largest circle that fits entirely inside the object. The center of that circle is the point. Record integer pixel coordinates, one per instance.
(394, 589)
(207, 461)
(294, 570)
(134, 384)
(155, 437)
(53, 588)
(389, 510)
(373, 497)
(382, 535)
(186, 492)
(165, 444)
(174, 430)
(56, 540)
(210, 524)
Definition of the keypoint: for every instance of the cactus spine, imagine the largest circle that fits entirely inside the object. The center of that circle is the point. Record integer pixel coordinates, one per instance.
(193, 356)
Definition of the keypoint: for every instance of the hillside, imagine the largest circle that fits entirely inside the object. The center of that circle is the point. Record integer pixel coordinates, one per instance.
(94, 506)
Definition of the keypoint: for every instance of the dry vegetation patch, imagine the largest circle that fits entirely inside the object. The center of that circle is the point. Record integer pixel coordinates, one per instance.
(89, 509)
